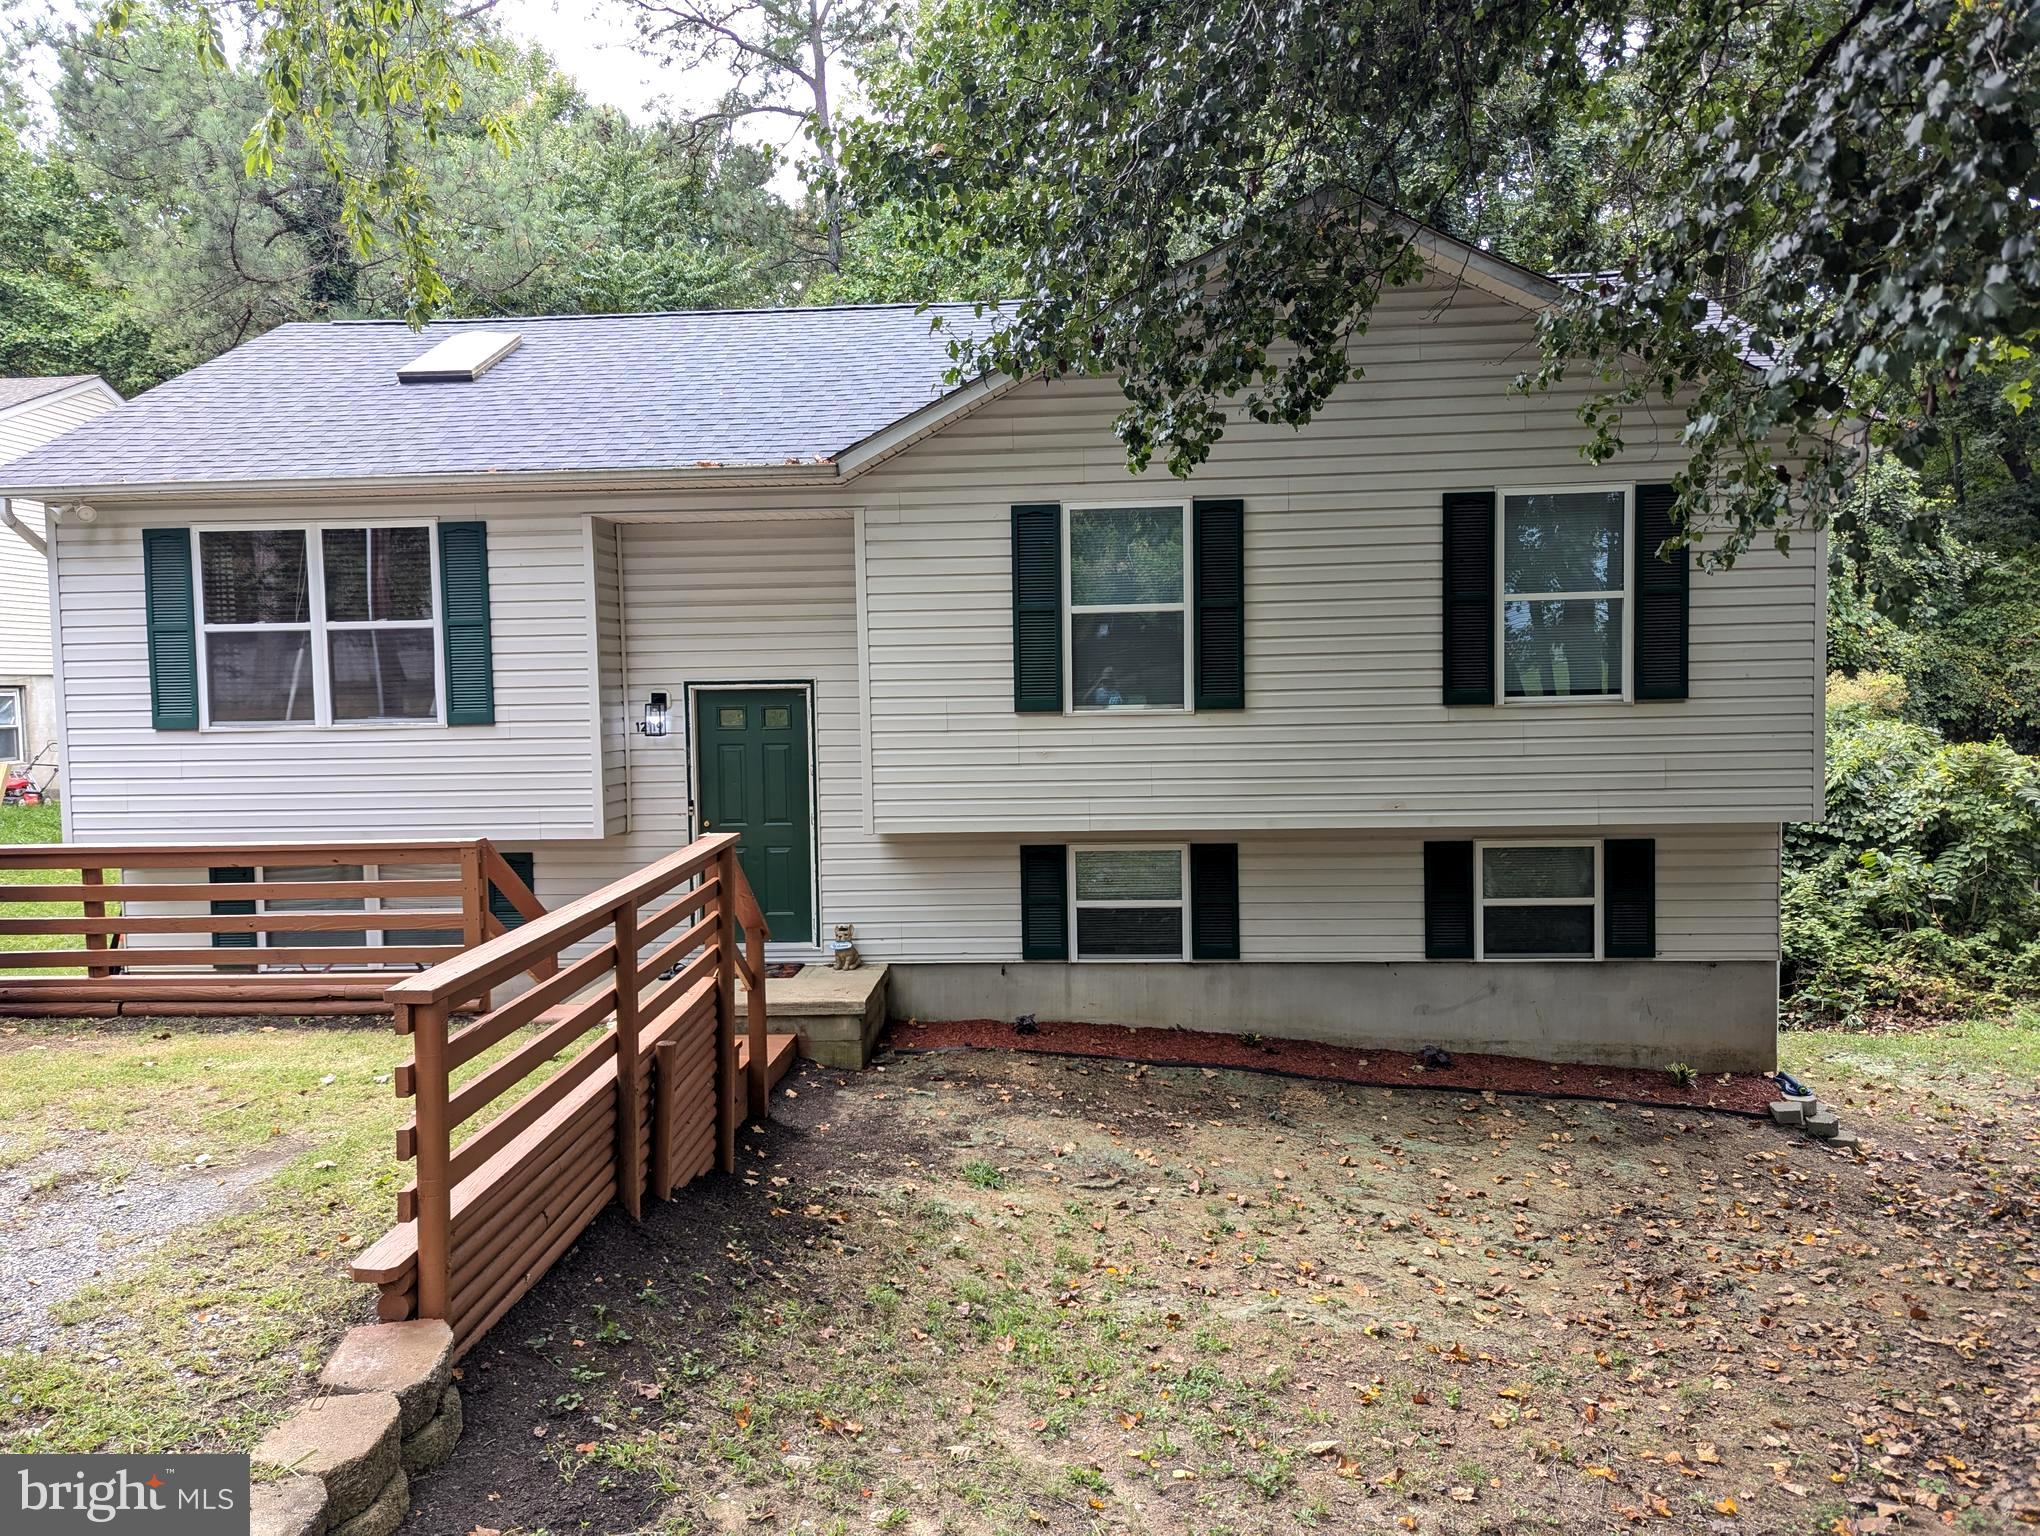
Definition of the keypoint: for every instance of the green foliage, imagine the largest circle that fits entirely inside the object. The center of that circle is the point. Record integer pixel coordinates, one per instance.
(1916, 893)
(585, 212)
(1190, 193)
(57, 313)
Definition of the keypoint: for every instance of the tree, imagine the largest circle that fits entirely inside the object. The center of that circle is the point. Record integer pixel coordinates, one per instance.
(367, 85)
(788, 56)
(586, 211)
(56, 315)
(1195, 195)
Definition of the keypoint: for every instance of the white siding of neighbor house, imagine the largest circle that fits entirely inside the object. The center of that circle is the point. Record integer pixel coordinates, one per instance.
(1344, 724)
(24, 577)
(535, 773)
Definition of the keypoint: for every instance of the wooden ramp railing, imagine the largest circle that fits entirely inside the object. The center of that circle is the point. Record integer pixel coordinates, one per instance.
(561, 1124)
(269, 928)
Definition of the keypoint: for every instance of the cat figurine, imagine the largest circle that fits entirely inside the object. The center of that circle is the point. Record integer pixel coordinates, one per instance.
(845, 948)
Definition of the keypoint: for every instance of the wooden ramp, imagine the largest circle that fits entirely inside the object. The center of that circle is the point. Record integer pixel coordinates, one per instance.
(634, 1071)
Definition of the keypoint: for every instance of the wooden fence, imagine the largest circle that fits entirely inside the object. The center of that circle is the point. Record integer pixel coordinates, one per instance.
(245, 928)
(561, 1124)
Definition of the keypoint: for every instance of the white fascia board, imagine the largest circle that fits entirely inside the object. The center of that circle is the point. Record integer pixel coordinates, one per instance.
(924, 422)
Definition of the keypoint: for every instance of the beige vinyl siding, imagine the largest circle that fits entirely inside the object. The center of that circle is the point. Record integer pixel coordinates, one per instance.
(534, 773)
(1343, 622)
(24, 577)
(1360, 896)
(774, 600)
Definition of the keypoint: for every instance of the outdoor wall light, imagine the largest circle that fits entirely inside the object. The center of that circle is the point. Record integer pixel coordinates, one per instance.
(656, 715)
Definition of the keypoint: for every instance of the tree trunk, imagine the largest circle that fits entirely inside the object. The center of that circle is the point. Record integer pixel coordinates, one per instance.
(832, 196)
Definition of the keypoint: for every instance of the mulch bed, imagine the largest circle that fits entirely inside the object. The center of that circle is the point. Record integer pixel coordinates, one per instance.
(1736, 1093)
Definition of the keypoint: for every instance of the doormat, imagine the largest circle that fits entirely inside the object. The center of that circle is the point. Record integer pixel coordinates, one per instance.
(1734, 1093)
(780, 970)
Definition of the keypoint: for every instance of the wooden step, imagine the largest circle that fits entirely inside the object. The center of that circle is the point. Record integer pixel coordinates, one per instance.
(779, 1054)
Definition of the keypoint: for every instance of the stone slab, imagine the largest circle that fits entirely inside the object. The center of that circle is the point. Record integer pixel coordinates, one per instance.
(289, 1506)
(384, 1515)
(348, 1441)
(414, 1360)
(434, 1442)
(1826, 1125)
(1788, 1111)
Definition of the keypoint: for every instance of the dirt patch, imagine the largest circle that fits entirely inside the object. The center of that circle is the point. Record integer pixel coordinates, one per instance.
(62, 1224)
(1739, 1093)
(982, 1292)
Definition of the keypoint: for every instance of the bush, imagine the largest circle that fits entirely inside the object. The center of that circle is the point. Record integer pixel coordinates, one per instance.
(1917, 893)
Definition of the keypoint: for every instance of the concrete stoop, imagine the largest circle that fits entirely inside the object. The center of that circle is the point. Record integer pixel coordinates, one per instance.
(836, 1014)
(341, 1464)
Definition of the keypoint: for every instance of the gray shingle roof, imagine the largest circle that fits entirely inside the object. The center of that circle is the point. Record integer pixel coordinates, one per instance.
(321, 402)
(15, 392)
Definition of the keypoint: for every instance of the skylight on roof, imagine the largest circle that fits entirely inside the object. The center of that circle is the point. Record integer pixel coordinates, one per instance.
(461, 358)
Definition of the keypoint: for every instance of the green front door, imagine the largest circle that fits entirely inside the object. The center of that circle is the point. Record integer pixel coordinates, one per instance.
(752, 747)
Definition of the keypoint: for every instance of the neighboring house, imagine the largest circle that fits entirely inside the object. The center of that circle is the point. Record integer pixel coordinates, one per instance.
(32, 412)
(1392, 730)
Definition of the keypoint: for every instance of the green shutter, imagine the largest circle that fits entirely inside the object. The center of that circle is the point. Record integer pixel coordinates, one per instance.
(1044, 902)
(1220, 610)
(1449, 907)
(499, 904)
(168, 609)
(1469, 590)
(1663, 598)
(232, 874)
(464, 597)
(1214, 901)
(1629, 879)
(1037, 609)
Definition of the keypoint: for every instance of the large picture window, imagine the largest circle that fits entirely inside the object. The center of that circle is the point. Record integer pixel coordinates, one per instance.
(1128, 635)
(311, 626)
(1129, 903)
(1563, 560)
(1539, 901)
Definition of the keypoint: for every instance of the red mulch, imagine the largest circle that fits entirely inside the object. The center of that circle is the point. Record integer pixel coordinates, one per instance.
(1739, 1093)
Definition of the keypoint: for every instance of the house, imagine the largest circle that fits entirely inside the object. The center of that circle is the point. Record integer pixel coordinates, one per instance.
(32, 412)
(1397, 729)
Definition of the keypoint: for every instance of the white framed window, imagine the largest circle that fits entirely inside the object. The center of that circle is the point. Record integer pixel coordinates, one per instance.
(1130, 902)
(1126, 588)
(319, 625)
(1562, 568)
(1538, 900)
(13, 737)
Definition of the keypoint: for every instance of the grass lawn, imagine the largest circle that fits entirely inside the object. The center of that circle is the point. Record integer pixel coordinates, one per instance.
(991, 1293)
(193, 1332)
(38, 824)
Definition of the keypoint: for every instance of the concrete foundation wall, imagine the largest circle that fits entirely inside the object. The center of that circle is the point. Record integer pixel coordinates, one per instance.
(1718, 1016)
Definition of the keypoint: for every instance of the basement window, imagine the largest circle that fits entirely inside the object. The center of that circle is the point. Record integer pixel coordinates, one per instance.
(1539, 901)
(1129, 903)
